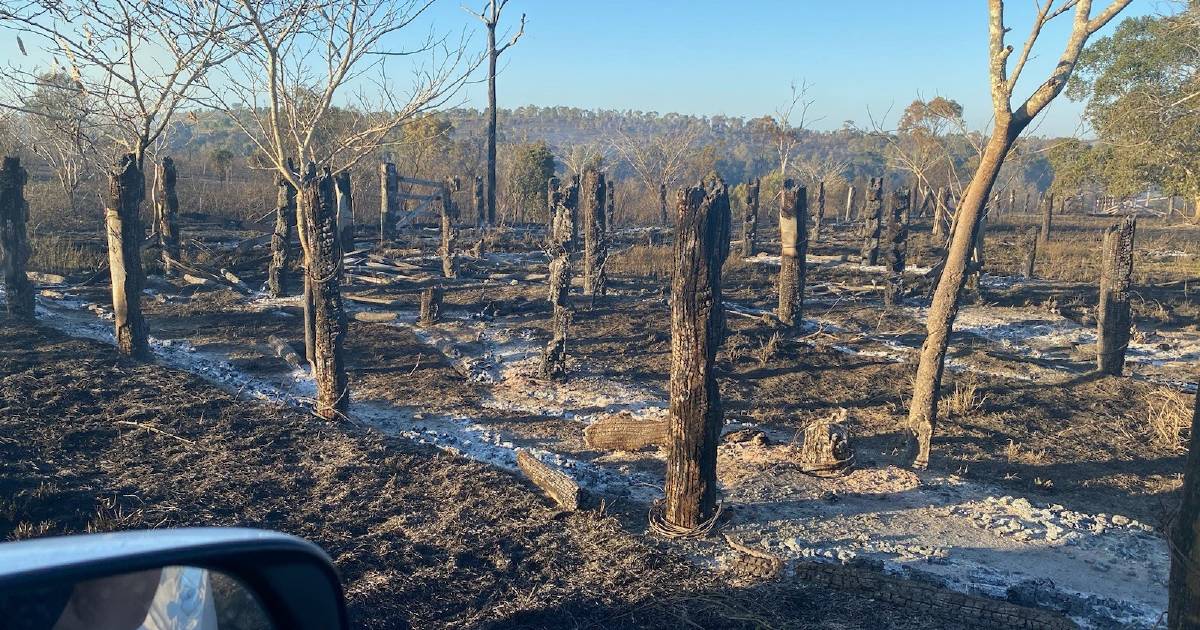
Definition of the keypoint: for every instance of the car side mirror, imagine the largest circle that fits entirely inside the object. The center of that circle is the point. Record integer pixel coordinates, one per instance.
(194, 579)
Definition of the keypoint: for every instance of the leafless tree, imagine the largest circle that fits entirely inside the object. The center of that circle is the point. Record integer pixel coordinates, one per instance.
(62, 132)
(490, 16)
(1009, 122)
(785, 128)
(826, 169)
(659, 160)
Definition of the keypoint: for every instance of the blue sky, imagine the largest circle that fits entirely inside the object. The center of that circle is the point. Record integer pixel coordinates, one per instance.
(738, 58)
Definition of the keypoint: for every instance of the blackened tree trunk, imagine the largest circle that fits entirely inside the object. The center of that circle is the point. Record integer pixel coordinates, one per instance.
(663, 219)
(493, 54)
(850, 192)
(554, 358)
(750, 217)
(941, 209)
(126, 189)
(697, 329)
(1012, 201)
(610, 209)
(480, 203)
(1030, 252)
(897, 250)
(389, 201)
(820, 218)
(431, 305)
(1183, 591)
(14, 240)
(553, 194)
(279, 273)
(345, 210)
(323, 257)
(595, 240)
(449, 233)
(1113, 316)
(872, 228)
(1047, 217)
(793, 252)
(166, 214)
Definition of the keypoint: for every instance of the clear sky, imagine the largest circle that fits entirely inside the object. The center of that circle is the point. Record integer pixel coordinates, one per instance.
(738, 58)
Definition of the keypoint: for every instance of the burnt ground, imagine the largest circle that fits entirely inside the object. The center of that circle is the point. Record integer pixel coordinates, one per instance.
(95, 442)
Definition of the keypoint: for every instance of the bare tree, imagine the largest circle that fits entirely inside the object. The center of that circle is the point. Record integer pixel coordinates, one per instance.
(1008, 125)
(659, 161)
(784, 129)
(62, 131)
(490, 16)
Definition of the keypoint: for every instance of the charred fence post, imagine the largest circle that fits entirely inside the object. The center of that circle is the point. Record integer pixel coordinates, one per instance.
(431, 305)
(126, 189)
(750, 217)
(850, 193)
(389, 201)
(897, 239)
(1047, 218)
(697, 330)
(1183, 589)
(480, 206)
(324, 270)
(553, 196)
(610, 208)
(166, 213)
(1030, 252)
(820, 218)
(554, 358)
(449, 232)
(279, 273)
(872, 227)
(14, 240)
(1113, 316)
(975, 268)
(664, 220)
(595, 241)
(345, 211)
(793, 251)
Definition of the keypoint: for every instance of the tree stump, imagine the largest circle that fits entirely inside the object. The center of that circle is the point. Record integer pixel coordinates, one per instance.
(323, 258)
(697, 329)
(897, 240)
(610, 208)
(750, 218)
(279, 272)
(553, 197)
(1183, 608)
(345, 211)
(14, 240)
(793, 238)
(872, 226)
(166, 213)
(850, 193)
(820, 218)
(1047, 218)
(1030, 252)
(449, 213)
(1113, 316)
(826, 451)
(554, 358)
(389, 201)
(664, 220)
(431, 305)
(126, 189)
(592, 192)
(480, 206)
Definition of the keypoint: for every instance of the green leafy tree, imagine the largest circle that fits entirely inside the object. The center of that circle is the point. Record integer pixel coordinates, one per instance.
(531, 167)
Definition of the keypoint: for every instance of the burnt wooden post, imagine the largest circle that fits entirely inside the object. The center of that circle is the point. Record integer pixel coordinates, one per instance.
(389, 201)
(166, 213)
(1030, 251)
(553, 193)
(14, 240)
(941, 207)
(850, 193)
(750, 217)
(323, 256)
(480, 206)
(1012, 201)
(345, 210)
(897, 250)
(554, 358)
(126, 189)
(1183, 589)
(820, 218)
(449, 232)
(1113, 316)
(279, 273)
(664, 220)
(1047, 217)
(977, 259)
(610, 209)
(872, 227)
(571, 201)
(595, 240)
(793, 250)
(431, 305)
(1025, 205)
(697, 329)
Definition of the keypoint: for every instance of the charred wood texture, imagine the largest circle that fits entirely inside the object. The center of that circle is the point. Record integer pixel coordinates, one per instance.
(554, 358)
(1114, 317)
(556, 484)
(1047, 218)
(389, 200)
(820, 217)
(897, 249)
(480, 206)
(664, 220)
(166, 213)
(449, 232)
(595, 238)
(625, 433)
(697, 329)
(279, 273)
(431, 305)
(826, 451)
(1031, 243)
(345, 210)
(323, 256)
(793, 252)
(126, 189)
(553, 196)
(610, 209)
(750, 217)
(872, 225)
(14, 239)
(1183, 590)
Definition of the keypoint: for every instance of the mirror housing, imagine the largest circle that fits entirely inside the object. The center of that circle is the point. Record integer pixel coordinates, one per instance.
(294, 580)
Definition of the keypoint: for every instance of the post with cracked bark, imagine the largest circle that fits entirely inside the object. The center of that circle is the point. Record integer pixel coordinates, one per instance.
(820, 216)
(166, 213)
(345, 210)
(431, 305)
(279, 273)
(126, 189)
(897, 247)
(595, 240)
(872, 225)
(697, 328)
(14, 239)
(389, 201)
(323, 257)
(554, 358)
(850, 193)
(449, 232)
(480, 206)
(1183, 589)
(1113, 316)
(1030, 251)
(793, 252)
(750, 217)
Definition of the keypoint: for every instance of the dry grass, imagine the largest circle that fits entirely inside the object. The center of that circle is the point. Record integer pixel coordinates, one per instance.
(767, 349)
(642, 260)
(58, 254)
(964, 402)
(1169, 418)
